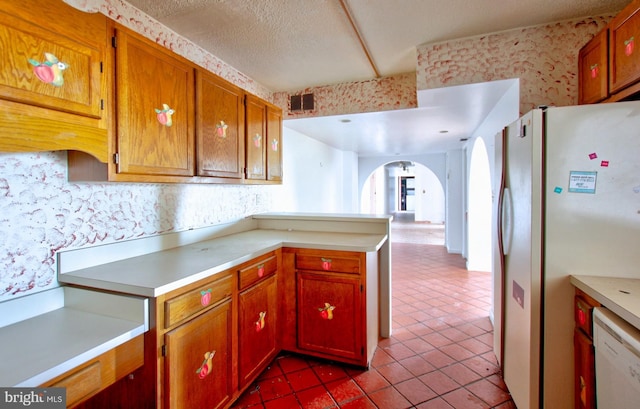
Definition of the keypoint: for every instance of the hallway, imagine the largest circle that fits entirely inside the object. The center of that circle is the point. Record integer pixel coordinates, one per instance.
(439, 355)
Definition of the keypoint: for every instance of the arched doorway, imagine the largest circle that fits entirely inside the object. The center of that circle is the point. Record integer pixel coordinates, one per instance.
(479, 209)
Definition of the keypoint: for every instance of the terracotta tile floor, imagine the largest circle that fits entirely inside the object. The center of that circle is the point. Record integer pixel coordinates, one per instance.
(439, 355)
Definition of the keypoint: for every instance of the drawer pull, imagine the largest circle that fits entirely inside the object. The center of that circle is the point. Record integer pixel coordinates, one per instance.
(326, 312)
(261, 270)
(260, 323)
(628, 46)
(205, 297)
(326, 263)
(205, 368)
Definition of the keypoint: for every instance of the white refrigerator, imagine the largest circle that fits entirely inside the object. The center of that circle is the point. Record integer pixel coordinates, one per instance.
(569, 203)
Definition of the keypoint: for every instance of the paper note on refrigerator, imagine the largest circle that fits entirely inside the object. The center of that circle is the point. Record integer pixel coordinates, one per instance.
(582, 182)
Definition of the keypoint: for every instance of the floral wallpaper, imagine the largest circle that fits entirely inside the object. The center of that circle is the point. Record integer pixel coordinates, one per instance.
(544, 58)
(41, 213)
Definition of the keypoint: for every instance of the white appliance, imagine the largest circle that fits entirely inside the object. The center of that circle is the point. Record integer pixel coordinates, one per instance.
(569, 203)
(617, 346)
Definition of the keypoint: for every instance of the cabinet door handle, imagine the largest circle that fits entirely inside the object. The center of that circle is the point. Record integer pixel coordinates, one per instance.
(205, 368)
(164, 115)
(326, 312)
(221, 129)
(257, 140)
(628, 46)
(261, 321)
(260, 270)
(326, 263)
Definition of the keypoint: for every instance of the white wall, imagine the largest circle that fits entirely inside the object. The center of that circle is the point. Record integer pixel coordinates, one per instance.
(317, 177)
(454, 226)
(430, 198)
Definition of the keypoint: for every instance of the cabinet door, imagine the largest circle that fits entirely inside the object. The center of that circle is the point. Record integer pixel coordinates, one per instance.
(255, 143)
(51, 56)
(593, 69)
(155, 114)
(625, 57)
(584, 371)
(219, 127)
(257, 328)
(330, 321)
(274, 144)
(198, 362)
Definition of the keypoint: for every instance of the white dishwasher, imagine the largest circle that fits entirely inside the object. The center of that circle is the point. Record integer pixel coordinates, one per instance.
(617, 348)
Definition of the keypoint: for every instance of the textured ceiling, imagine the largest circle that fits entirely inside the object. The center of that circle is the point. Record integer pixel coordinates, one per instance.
(290, 45)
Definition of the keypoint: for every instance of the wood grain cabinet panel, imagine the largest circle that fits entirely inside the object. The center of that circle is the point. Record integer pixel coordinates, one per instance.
(155, 132)
(593, 74)
(53, 85)
(256, 117)
(274, 144)
(198, 362)
(184, 306)
(257, 325)
(330, 315)
(219, 127)
(624, 43)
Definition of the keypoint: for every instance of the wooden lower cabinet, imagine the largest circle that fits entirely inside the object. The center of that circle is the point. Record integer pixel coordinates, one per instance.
(257, 324)
(330, 314)
(198, 361)
(584, 352)
(98, 374)
(329, 304)
(211, 339)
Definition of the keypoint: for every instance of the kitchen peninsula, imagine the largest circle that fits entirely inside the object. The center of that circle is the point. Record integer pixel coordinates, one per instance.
(236, 294)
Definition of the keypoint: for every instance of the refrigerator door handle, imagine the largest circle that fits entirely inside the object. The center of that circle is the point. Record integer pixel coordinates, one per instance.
(506, 220)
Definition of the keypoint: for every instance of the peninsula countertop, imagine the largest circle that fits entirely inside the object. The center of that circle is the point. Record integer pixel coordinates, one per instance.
(157, 273)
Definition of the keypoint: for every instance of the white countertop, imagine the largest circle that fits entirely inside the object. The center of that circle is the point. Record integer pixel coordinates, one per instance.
(157, 273)
(620, 295)
(76, 326)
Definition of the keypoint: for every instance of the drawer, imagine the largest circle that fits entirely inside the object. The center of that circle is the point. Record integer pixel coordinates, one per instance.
(328, 262)
(82, 384)
(179, 308)
(258, 271)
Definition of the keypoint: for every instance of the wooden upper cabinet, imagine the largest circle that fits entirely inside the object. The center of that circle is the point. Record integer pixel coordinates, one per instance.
(53, 89)
(593, 74)
(155, 108)
(256, 136)
(264, 140)
(54, 67)
(219, 127)
(624, 38)
(274, 143)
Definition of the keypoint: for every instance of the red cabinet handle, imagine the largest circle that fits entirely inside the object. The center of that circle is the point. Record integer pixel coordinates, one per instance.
(326, 312)
(628, 46)
(261, 321)
(205, 297)
(326, 263)
(207, 364)
(260, 270)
